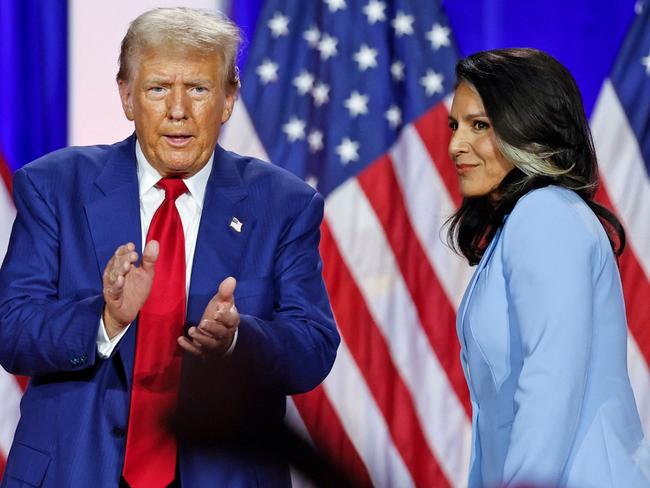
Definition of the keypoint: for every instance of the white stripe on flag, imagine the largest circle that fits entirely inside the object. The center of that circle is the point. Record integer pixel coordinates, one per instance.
(371, 262)
(295, 423)
(364, 423)
(7, 215)
(10, 393)
(429, 205)
(239, 135)
(621, 164)
(640, 379)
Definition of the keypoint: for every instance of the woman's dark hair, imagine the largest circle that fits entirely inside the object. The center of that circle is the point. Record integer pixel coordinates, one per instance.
(539, 122)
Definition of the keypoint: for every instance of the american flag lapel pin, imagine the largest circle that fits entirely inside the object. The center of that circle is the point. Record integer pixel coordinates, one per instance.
(236, 224)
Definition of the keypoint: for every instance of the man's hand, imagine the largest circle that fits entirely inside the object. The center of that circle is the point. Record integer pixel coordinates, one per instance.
(126, 286)
(220, 320)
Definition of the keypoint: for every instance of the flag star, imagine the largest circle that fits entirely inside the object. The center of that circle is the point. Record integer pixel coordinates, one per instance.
(315, 140)
(394, 116)
(279, 25)
(375, 11)
(327, 46)
(294, 129)
(403, 24)
(304, 82)
(397, 70)
(357, 104)
(348, 150)
(638, 7)
(335, 5)
(366, 57)
(321, 94)
(432, 82)
(267, 71)
(312, 36)
(438, 36)
(646, 62)
(312, 181)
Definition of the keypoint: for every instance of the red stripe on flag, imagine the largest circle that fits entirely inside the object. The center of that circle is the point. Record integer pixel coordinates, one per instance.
(636, 289)
(22, 381)
(2, 465)
(434, 131)
(436, 313)
(371, 354)
(5, 173)
(329, 436)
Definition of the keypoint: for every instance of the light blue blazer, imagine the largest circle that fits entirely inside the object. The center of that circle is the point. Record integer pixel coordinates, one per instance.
(543, 345)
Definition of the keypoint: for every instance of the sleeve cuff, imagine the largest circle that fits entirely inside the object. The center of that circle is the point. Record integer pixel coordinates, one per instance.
(233, 344)
(106, 346)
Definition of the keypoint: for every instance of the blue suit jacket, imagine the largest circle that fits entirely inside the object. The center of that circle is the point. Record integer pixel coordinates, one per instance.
(543, 345)
(75, 206)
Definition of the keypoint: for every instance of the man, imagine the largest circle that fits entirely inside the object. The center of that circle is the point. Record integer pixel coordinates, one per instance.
(230, 276)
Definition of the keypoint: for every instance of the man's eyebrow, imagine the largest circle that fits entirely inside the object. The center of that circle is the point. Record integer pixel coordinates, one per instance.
(198, 81)
(157, 80)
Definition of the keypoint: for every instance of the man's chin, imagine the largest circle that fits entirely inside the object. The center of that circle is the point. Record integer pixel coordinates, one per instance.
(179, 164)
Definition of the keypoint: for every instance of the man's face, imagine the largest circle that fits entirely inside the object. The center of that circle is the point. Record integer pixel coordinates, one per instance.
(178, 103)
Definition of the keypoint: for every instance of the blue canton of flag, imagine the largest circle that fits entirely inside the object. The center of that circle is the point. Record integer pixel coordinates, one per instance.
(631, 79)
(350, 75)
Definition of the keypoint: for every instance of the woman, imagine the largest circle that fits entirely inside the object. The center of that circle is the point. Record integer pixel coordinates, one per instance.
(542, 325)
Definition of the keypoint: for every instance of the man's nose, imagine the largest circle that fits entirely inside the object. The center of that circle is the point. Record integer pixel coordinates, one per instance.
(177, 104)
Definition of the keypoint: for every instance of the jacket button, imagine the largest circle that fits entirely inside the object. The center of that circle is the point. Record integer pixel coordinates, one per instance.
(118, 432)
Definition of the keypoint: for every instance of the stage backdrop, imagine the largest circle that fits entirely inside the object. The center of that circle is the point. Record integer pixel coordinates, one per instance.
(352, 95)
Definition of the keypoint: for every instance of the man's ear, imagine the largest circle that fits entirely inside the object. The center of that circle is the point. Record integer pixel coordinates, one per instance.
(228, 106)
(126, 98)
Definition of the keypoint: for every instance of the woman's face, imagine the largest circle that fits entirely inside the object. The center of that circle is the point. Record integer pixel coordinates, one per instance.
(479, 163)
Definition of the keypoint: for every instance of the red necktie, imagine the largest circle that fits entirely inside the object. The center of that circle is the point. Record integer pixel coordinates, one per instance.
(150, 459)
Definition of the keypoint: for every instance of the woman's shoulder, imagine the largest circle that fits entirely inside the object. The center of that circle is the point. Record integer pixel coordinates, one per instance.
(554, 206)
(552, 197)
(554, 215)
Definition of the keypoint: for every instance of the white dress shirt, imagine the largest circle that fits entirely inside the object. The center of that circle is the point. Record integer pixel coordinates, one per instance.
(189, 206)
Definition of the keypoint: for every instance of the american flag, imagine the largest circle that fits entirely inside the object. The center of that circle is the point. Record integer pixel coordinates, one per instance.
(352, 95)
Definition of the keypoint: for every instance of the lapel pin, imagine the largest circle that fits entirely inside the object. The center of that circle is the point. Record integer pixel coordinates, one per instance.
(236, 224)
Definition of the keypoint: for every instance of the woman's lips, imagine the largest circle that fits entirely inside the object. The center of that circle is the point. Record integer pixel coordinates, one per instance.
(463, 169)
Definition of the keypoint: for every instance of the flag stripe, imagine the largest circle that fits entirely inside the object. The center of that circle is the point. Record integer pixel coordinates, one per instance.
(10, 386)
(328, 435)
(10, 392)
(373, 357)
(623, 169)
(640, 380)
(429, 206)
(436, 314)
(364, 423)
(433, 128)
(5, 173)
(442, 388)
(636, 289)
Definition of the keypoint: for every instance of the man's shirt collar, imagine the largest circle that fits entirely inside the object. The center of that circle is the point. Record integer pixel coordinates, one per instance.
(148, 176)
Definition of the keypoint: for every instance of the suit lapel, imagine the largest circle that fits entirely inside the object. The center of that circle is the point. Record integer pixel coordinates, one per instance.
(470, 288)
(114, 219)
(226, 225)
